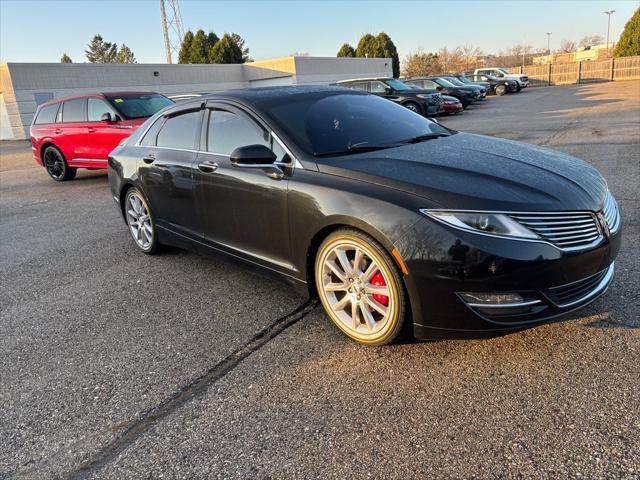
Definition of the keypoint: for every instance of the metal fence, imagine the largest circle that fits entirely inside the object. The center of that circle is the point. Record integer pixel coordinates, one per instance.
(623, 68)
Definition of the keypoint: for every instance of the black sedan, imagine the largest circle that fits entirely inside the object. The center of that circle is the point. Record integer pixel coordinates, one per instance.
(466, 95)
(391, 219)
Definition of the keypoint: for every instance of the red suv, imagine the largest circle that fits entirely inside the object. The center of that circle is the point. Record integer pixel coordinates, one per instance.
(80, 131)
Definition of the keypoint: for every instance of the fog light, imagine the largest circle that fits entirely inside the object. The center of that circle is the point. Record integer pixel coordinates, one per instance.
(480, 299)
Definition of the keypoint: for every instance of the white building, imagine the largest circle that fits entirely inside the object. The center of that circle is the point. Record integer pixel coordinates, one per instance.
(23, 86)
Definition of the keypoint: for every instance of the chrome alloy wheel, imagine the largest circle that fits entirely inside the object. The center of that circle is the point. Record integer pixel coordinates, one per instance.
(139, 221)
(357, 289)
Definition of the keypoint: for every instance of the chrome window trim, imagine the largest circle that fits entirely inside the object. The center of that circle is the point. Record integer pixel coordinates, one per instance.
(296, 163)
(594, 243)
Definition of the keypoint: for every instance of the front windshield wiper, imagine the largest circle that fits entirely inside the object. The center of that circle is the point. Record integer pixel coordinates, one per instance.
(358, 148)
(426, 136)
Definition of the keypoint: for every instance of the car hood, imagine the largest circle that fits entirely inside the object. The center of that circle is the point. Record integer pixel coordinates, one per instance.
(475, 172)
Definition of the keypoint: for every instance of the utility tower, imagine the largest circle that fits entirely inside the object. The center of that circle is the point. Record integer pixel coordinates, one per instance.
(171, 27)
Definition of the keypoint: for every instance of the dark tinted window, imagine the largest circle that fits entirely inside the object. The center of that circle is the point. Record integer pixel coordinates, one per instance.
(73, 110)
(149, 138)
(47, 114)
(228, 131)
(96, 108)
(323, 124)
(139, 106)
(179, 131)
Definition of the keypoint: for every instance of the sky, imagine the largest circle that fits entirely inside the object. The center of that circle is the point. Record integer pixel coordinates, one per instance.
(41, 31)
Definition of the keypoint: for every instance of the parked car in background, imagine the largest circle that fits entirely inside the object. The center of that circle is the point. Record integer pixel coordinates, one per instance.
(451, 105)
(521, 79)
(424, 101)
(467, 81)
(80, 131)
(466, 95)
(390, 218)
(499, 86)
(482, 90)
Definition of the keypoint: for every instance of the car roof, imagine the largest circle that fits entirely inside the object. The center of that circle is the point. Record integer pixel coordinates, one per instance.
(53, 101)
(252, 95)
(368, 79)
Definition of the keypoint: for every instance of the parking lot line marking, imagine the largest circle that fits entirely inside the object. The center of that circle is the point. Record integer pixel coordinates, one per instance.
(188, 392)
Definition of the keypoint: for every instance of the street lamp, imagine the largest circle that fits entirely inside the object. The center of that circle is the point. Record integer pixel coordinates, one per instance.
(608, 14)
(549, 43)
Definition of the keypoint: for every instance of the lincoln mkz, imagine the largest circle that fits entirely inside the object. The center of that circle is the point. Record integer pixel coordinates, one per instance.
(397, 223)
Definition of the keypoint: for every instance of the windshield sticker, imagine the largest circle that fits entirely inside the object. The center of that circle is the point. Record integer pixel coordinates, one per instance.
(118, 100)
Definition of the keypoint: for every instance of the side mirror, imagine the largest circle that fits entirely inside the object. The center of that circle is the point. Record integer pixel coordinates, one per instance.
(106, 117)
(256, 156)
(439, 88)
(388, 90)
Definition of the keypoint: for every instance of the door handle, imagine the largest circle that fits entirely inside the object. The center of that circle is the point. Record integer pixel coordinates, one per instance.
(58, 131)
(91, 130)
(149, 158)
(208, 166)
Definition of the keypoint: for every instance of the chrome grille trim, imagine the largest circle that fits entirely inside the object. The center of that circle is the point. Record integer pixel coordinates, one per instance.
(611, 213)
(581, 291)
(566, 230)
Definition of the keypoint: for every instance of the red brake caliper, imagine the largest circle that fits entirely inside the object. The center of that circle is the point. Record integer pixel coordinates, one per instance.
(378, 281)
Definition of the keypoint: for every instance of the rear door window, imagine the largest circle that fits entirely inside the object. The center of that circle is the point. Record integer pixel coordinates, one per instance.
(179, 131)
(47, 114)
(73, 110)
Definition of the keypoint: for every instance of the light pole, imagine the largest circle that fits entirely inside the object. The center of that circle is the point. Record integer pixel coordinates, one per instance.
(549, 43)
(608, 14)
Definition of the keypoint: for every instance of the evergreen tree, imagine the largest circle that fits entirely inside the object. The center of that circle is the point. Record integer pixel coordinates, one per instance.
(366, 46)
(65, 59)
(99, 51)
(125, 55)
(346, 50)
(385, 48)
(212, 39)
(198, 49)
(229, 49)
(184, 56)
(629, 43)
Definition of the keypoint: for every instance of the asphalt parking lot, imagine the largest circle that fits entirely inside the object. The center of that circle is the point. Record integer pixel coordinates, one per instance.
(118, 365)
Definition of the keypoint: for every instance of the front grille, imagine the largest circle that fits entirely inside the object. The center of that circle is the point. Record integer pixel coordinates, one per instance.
(572, 293)
(565, 230)
(611, 213)
(435, 99)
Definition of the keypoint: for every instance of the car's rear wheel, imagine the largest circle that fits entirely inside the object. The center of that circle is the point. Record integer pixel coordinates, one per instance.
(414, 107)
(360, 287)
(501, 90)
(56, 165)
(140, 221)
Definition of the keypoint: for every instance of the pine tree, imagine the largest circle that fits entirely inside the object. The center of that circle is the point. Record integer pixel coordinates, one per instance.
(198, 49)
(385, 48)
(629, 43)
(346, 50)
(125, 55)
(229, 49)
(65, 58)
(212, 39)
(185, 48)
(99, 51)
(366, 46)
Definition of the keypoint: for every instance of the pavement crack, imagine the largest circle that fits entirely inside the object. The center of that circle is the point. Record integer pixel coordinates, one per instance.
(185, 394)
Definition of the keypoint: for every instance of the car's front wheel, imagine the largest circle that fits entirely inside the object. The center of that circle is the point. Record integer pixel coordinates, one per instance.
(412, 106)
(501, 90)
(56, 165)
(360, 287)
(140, 221)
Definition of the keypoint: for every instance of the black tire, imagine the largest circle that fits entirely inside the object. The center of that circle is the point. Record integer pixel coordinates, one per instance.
(413, 106)
(56, 165)
(145, 234)
(388, 326)
(518, 88)
(501, 90)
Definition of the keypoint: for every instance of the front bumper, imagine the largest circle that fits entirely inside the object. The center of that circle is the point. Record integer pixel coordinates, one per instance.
(443, 262)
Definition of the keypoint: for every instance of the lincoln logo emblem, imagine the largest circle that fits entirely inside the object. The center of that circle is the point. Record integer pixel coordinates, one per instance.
(603, 224)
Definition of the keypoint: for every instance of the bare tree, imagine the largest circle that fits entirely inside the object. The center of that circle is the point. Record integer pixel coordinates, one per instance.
(471, 55)
(591, 40)
(567, 46)
(420, 63)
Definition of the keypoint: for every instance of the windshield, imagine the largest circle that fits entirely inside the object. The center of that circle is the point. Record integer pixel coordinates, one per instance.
(345, 123)
(464, 80)
(443, 82)
(455, 81)
(397, 85)
(503, 71)
(139, 106)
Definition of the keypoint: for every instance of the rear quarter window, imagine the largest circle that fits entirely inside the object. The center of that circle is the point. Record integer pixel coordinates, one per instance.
(47, 114)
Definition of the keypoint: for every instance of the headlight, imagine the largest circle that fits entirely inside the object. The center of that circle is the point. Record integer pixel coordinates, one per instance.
(423, 95)
(481, 222)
